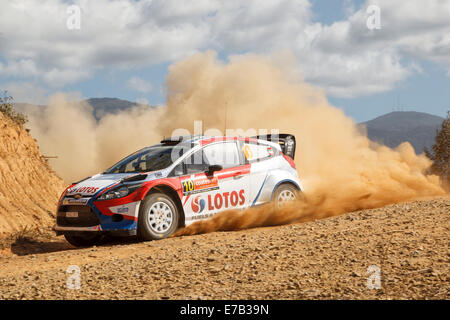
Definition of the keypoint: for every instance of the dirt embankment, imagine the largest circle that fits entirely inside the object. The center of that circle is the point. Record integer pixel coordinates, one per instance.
(322, 259)
(29, 188)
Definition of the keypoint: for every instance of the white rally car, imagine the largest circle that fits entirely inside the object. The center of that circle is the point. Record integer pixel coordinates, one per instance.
(161, 188)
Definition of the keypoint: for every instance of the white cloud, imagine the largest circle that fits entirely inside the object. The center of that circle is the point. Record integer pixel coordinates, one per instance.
(139, 84)
(60, 77)
(113, 34)
(348, 59)
(357, 74)
(345, 58)
(19, 68)
(256, 25)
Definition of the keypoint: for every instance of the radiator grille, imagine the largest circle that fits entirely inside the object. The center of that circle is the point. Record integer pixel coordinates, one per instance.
(86, 217)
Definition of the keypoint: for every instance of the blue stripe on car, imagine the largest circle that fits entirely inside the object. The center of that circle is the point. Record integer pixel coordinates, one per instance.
(260, 189)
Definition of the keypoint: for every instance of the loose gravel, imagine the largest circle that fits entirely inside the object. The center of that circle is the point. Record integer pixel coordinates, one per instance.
(334, 258)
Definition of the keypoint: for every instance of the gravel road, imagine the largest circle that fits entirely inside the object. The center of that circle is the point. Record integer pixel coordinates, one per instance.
(324, 259)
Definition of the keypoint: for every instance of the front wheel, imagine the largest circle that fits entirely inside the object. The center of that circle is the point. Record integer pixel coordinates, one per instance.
(84, 240)
(158, 217)
(285, 193)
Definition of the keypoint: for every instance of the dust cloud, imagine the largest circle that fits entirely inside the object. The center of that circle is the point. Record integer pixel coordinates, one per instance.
(340, 168)
(67, 128)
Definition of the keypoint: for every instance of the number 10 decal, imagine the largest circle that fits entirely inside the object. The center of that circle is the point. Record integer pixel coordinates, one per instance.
(188, 186)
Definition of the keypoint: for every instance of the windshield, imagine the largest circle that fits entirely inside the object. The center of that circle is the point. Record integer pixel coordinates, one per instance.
(149, 159)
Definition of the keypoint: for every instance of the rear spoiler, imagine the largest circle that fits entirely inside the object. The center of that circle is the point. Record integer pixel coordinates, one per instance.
(286, 142)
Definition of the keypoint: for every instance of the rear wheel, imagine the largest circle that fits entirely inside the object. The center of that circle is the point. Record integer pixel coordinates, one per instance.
(83, 240)
(285, 193)
(158, 217)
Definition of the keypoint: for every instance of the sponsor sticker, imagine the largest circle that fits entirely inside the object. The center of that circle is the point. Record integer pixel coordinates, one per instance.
(200, 185)
(221, 200)
(122, 210)
(201, 216)
(84, 190)
(197, 204)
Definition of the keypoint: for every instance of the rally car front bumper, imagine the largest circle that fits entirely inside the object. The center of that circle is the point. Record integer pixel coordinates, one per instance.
(82, 215)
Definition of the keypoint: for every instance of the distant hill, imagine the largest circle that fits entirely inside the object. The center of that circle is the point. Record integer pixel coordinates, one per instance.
(393, 128)
(101, 106)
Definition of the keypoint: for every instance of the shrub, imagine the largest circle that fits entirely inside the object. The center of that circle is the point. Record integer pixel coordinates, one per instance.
(7, 108)
(440, 152)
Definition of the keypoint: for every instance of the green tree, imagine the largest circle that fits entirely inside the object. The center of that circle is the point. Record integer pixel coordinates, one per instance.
(7, 108)
(440, 152)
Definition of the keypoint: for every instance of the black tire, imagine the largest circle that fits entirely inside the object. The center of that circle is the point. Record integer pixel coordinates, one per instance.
(154, 227)
(285, 188)
(83, 240)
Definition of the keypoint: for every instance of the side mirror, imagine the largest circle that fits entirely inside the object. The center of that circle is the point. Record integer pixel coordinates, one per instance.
(212, 168)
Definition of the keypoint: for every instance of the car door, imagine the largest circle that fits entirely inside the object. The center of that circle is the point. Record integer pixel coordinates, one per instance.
(262, 158)
(207, 194)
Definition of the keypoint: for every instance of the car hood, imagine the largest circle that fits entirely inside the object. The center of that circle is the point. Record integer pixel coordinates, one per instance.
(94, 184)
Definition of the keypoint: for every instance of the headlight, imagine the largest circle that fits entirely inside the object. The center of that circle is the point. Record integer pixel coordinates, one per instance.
(118, 192)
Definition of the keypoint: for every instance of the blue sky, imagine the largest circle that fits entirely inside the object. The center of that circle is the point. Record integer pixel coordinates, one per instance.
(123, 48)
(427, 92)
